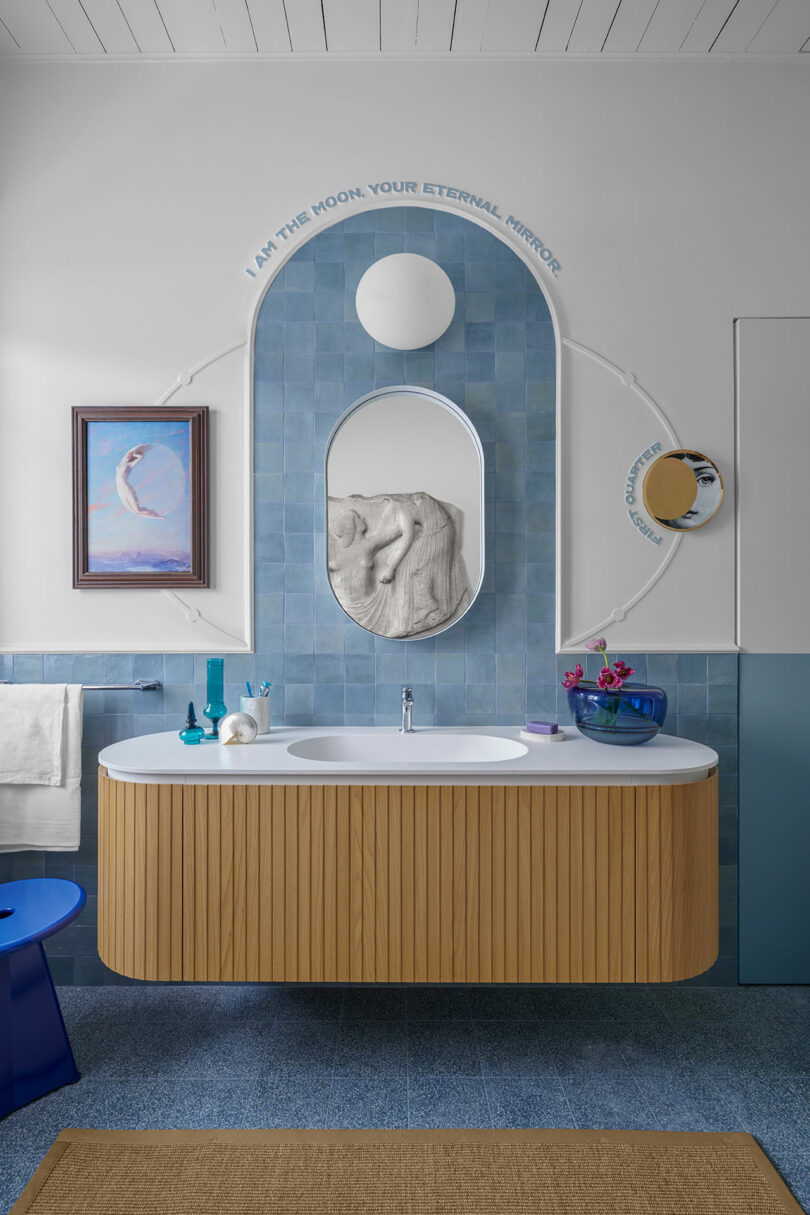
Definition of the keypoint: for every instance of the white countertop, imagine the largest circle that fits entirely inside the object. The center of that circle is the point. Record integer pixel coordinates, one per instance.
(164, 759)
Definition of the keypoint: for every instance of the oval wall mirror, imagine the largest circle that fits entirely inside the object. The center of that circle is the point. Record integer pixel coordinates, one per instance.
(404, 512)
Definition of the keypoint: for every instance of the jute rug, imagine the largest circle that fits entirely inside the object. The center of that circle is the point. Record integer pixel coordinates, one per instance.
(405, 1173)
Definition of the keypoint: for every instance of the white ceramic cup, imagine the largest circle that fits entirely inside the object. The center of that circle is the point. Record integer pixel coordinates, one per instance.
(259, 709)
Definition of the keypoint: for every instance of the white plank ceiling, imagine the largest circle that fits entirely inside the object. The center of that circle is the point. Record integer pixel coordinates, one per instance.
(240, 28)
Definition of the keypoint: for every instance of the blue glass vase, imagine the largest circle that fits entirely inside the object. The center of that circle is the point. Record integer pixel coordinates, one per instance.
(633, 715)
(215, 708)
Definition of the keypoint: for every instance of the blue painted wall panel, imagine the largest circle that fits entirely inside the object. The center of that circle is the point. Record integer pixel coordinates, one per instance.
(774, 858)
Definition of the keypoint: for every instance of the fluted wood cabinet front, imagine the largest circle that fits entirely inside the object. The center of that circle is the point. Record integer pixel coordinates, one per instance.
(408, 884)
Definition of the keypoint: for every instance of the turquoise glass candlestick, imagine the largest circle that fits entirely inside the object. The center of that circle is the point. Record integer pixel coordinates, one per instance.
(215, 708)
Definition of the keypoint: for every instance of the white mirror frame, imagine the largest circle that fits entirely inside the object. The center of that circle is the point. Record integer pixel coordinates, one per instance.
(445, 403)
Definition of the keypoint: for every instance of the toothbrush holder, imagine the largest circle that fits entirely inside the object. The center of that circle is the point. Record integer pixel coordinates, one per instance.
(259, 709)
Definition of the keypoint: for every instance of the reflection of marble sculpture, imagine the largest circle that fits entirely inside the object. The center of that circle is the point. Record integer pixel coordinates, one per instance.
(395, 562)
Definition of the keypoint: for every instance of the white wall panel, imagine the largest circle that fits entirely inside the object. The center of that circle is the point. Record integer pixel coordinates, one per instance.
(146, 23)
(773, 420)
(74, 21)
(786, 29)
(34, 27)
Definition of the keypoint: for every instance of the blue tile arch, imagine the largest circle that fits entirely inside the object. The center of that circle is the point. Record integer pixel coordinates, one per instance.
(497, 361)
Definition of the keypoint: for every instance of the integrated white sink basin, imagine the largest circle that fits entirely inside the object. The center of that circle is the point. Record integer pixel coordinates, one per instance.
(422, 747)
(435, 755)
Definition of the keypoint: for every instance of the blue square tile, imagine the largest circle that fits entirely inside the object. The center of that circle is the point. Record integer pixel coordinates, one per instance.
(441, 1101)
(367, 1102)
(283, 1101)
(528, 1101)
(442, 1047)
(371, 1048)
(607, 1100)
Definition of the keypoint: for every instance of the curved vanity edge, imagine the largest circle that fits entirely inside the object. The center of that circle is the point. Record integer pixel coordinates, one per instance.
(463, 884)
(163, 759)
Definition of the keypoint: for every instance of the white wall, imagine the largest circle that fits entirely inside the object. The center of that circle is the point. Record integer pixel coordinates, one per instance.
(773, 422)
(674, 197)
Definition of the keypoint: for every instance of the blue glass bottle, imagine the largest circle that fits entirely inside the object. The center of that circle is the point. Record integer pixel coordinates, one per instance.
(215, 709)
(193, 733)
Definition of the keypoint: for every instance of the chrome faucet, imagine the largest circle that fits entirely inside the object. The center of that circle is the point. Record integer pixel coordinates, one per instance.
(407, 707)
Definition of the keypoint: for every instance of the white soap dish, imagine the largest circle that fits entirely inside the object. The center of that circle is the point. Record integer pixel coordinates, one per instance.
(543, 738)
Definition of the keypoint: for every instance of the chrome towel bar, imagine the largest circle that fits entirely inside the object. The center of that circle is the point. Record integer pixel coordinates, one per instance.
(140, 685)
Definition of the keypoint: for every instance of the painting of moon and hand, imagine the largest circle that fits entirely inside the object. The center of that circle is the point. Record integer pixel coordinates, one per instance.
(140, 490)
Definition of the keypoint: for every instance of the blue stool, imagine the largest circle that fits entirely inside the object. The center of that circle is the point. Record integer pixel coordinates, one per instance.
(35, 1054)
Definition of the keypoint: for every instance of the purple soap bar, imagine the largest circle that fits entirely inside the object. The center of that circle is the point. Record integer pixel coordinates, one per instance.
(542, 727)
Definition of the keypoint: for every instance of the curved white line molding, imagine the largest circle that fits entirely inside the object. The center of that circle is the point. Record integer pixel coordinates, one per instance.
(184, 378)
(629, 381)
(193, 615)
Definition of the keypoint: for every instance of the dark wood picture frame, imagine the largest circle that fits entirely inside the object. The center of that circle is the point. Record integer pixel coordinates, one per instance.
(198, 574)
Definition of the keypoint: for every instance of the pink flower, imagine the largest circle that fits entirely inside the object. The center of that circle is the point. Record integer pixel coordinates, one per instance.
(608, 680)
(622, 670)
(572, 678)
(598, 643)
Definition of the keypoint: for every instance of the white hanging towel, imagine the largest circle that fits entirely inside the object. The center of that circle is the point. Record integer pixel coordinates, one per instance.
(40, 767)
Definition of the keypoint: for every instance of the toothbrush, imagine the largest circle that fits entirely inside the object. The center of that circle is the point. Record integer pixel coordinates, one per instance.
(249, 689)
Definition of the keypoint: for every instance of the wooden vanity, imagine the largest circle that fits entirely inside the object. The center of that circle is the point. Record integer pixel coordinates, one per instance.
(527, 876)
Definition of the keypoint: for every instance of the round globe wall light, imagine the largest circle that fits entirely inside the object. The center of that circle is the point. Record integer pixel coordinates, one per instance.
(405, 301)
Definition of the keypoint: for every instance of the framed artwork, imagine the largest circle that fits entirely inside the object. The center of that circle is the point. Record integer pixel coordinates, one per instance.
(140, 496)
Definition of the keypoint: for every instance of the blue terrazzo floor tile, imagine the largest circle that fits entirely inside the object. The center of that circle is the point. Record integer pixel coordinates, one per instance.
(371, 1048)
(254, 1003)
(501, 1004)
(16, 1170)
(437, 1003)
(310, 1003)
(514, 1048)
(607, 1100)
(374, 1003)
(286, 1101)
(447, 1101)
(684, 1100)
(300, 1047)
(442, 1048)
(528, 1101)
(210, 1102)
(592, 1043)
(228, 1048)
(368, 1102)
(158, 1050)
